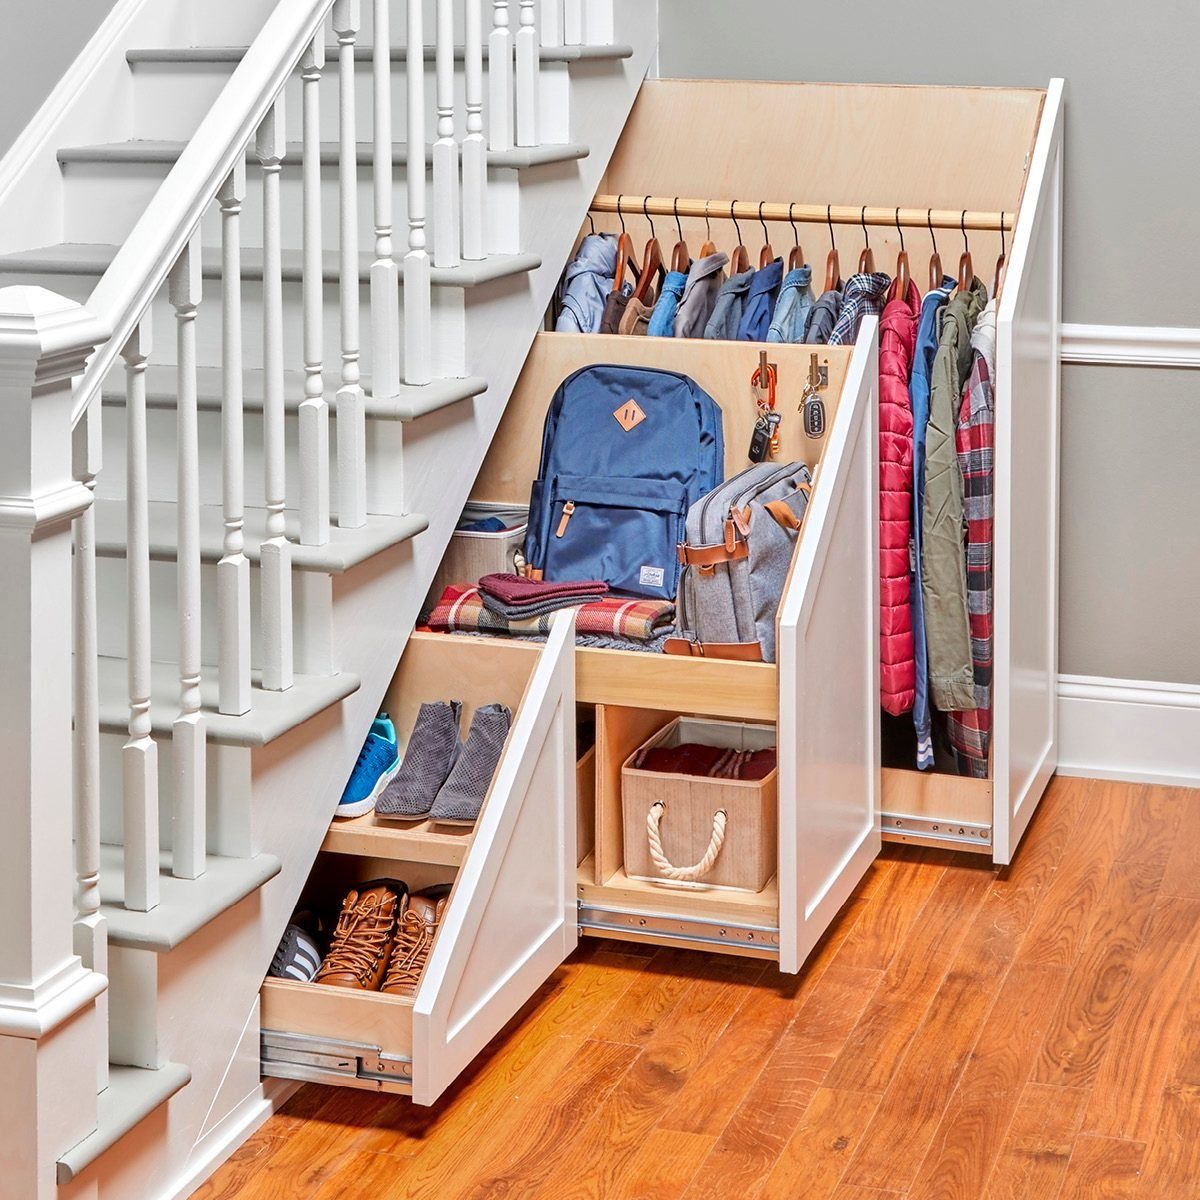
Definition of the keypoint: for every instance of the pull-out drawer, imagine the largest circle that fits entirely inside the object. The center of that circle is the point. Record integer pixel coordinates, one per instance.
(512, 913)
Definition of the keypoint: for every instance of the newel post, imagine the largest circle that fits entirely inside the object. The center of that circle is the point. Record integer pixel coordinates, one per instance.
(48, 1036)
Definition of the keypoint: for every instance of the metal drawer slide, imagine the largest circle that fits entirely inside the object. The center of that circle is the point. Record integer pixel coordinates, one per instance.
(697, 930)
(342, 1064)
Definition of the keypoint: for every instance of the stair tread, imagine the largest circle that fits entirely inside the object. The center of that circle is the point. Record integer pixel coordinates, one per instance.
(94, 258)
(152, 150)
(133, 1093)
(412, 401)
(185, 905)
(271, 716)
(346, 548)
(364, 52)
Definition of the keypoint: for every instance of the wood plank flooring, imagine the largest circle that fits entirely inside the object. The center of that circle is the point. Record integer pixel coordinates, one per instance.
(1031, 1033)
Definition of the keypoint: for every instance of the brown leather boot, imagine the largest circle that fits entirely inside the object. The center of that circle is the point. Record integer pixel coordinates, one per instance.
(414, 939)
(362, 942)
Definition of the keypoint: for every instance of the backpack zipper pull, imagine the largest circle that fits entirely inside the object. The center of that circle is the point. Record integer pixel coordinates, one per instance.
(568, 509)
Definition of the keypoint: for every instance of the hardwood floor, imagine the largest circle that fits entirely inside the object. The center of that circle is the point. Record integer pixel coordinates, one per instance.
(1031, 1033)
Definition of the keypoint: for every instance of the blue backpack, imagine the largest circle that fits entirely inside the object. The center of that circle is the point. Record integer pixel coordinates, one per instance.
(626, 451)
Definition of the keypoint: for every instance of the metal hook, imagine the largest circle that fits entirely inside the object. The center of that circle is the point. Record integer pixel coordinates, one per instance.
(929, 222)
(591, 223)
(733, 218)
(829, 222)
(900, 231)
(675, 209)
(707, 224)
(792, 223)
(620, 214)
(646, 214)
(1003, 247)
(862, 220)
(766, 235)
(962, 225)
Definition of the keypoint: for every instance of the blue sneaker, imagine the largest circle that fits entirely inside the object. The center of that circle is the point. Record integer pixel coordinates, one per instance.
(378, 762)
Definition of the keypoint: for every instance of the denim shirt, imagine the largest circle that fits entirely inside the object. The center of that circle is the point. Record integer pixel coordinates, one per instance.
(793, 307)
(586, 285)
(928, 336)
(760, 303)
(704, 283)
(662, 322)
(727, 312)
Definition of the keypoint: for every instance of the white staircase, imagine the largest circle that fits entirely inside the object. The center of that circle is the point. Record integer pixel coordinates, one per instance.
(299, 337)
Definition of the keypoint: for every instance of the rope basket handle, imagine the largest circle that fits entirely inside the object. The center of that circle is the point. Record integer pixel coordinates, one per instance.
(663, 863)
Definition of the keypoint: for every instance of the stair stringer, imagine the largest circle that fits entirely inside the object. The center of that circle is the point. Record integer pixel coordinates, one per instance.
(209, 983)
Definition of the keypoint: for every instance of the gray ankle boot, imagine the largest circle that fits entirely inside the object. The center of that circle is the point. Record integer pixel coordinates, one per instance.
(433, 748)
(462, 795)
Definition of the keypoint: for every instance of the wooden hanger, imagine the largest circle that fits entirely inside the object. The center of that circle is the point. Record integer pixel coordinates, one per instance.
(935, 259)
(833, 269)
(767, 253)
(681, 259)
(866, 260)
(739, 260)
(709, 247)
(1000, 260)
(966, 270)
(796, 257)
(625, 252)
(652, 260)
(903, 274)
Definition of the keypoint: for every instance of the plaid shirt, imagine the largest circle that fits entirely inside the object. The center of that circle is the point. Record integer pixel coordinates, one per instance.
(862, 294)
(970, 731)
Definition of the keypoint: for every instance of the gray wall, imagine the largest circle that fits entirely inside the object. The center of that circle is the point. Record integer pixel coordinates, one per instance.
(1130, 559)
(40, 41)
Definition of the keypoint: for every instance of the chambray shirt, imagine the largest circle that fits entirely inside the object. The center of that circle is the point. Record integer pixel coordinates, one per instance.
(928, 335)
(586, 285)
(793, 308)
(727, 313)
(760, 303)
(662, 321)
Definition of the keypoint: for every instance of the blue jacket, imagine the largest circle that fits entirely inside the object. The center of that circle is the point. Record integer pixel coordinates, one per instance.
(760, 303)
(586, 284)
(793, 307)
(928, 331)
(662, 320)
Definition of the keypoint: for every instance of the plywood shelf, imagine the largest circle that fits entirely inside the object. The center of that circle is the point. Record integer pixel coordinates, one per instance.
(424, 842)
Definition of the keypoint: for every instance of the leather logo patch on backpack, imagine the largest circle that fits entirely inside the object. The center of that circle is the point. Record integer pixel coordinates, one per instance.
(629, 415)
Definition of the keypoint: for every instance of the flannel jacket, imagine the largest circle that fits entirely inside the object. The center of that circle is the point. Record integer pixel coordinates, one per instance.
(862, 294)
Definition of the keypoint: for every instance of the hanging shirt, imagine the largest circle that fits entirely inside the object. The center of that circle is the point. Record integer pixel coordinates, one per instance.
(918, 391)
(637, 316)
(704, 282)
(862, 294)
(662, 323)
(943, 561)
(586, 285)
(760, 302)
(614, 309)
(970, 731)
(727, 312)
(823, 318)
(793, 307)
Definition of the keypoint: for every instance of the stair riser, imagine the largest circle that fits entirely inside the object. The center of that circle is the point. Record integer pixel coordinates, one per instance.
(134, 1038)
(448, 314)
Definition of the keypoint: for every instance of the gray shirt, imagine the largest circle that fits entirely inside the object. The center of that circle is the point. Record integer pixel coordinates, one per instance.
(823, 318)
(704, 282)
(727, 312)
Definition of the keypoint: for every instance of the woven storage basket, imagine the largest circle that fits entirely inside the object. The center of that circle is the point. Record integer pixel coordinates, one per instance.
(687, 824)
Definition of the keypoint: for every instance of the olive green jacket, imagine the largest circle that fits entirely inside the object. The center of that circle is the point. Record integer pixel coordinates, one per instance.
(943, 543)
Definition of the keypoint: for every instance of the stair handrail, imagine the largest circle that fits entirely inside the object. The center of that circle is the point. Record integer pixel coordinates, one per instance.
(141, 266)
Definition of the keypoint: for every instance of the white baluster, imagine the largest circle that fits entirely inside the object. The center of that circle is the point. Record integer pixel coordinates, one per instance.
(474, 150)
(188, 737)
(385, 279)
(314, 409)
(139, 756)
(552, 22)
(528, 70)
(276, 553)
(91, 929)
(445, 149)
(573, 22)
(500, 79)
(233, 570)
(351, 412)
(418, 303)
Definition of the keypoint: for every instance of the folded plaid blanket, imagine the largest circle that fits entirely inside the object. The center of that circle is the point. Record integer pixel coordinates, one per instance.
(461, 610)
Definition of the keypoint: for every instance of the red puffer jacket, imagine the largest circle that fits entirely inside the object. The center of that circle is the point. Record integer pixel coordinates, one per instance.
(897, 336)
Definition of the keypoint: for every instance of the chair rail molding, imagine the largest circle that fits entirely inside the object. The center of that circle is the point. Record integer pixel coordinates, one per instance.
(1131, 345)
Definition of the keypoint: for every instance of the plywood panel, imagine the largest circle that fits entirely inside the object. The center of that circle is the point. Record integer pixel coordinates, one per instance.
(722, 369)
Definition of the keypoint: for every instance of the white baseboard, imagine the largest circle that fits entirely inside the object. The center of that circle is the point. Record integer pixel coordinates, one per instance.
(217, 1147)
(1131, 345)
(1127, 729)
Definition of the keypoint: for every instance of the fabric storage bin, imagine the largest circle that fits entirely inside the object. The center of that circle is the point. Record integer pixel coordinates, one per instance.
(471, 555)
(737, 851)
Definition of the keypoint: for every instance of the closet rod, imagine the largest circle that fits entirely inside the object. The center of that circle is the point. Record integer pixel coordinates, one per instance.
(817, 214)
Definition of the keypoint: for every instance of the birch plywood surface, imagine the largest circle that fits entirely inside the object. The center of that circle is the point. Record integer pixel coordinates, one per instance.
(935, 1047)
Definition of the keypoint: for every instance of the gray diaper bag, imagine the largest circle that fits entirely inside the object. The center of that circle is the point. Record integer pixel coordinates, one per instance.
(740, 539)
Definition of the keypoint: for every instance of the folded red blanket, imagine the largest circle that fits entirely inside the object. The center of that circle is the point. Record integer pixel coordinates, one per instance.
(712, 762)
(513, 589)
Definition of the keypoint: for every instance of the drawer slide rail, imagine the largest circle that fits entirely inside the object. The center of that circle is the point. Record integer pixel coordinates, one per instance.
(324, 1060)
(699, 930)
